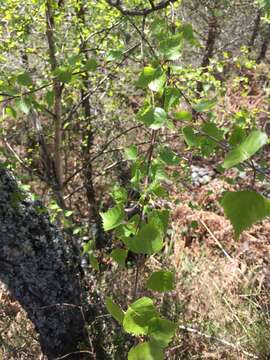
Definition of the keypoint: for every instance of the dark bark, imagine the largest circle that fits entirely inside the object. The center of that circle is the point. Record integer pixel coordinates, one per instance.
(140, 12)
(87, 149)
(264, 46)
(57, 87)
(255, 31)
(209, 48)
(38, 267)
(263, 51)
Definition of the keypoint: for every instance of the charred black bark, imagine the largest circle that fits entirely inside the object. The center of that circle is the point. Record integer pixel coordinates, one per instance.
(36, 264)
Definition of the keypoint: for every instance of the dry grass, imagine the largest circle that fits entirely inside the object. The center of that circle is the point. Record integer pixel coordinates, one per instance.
(222, 285)
(18, 339)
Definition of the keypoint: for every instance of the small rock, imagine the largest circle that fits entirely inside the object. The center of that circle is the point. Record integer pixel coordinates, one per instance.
(205, 179)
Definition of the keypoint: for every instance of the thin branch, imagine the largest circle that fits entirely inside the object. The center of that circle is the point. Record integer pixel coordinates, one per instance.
(106, 30)
(24, 165)
(221, 144)
(211, 337)
(11, 97)
(74, 353)
(149, 157)
(141, 33)
(105, 146)
(216, 240)
(117, 4)
(91, 92)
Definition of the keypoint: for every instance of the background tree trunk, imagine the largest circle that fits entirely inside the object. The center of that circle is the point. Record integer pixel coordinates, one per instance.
(36, 264)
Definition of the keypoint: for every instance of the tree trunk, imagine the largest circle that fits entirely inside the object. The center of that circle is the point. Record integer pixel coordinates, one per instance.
(264, 46)
(255, 31)
(58, 131)
(37, 266)
(87, 147)
(209, 49)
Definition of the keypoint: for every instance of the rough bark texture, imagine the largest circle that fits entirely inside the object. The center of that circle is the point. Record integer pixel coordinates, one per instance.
(87, 150)
(255, 31)
(36, 265)
(57, 87)
(209, 48)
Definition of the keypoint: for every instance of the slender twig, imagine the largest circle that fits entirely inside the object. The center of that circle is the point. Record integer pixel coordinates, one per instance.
(211, 337)
(101, 152)
(12, 97)
(146, 183)
(143, 37)
(140, 12)
(92, 91)
(106, 30)
(221, 144)
(216, 240)
(16, 155)
(75, 353)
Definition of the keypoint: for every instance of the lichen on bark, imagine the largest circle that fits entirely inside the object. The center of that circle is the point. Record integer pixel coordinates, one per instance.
(36, 264)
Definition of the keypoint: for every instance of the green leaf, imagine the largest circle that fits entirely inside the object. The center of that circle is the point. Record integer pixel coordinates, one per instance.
(126, 230)
(68, 213)
(246, 149)
(24, 79)
(212, 130)
(161, 331)
(172, 96)
(74, 59)
(49, 97)
(158, 171)
(169, 157)
(244, 208)
(158, 190)
(183, 115)
(157, 84)
(161, 281)
(131, 152)
(170, 48)
(137, 175)
(158, 26)
(114, 55)
(146, 76)
(112, 218)
(160, 117)
(24, 105)
(238, 135)
(190, 137)
(90, 65)
(93, 261)
(154, 78)
(10, 111)
(119, 194)
(63, 74)
(119, 256)
(205, 105)
(89, 246)
(115, 310)
(138, 316)
(159, 219)
(148, 240)
(146, 351)
(265, 5)
(154, 118)
(188, 34)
